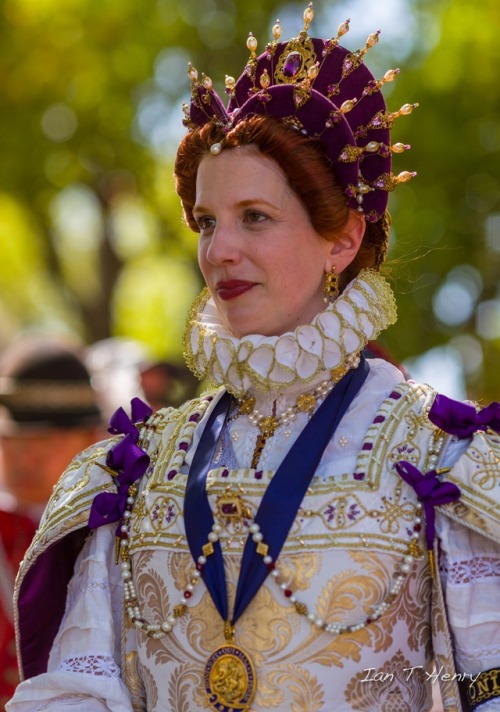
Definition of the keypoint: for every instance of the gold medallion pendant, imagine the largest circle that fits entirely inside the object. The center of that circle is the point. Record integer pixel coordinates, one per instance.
(229, 679)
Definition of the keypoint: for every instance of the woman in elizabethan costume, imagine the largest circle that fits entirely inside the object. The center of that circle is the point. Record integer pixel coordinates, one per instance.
(315, 533)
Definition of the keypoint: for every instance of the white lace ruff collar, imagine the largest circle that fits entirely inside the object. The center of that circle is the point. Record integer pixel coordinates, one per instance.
(265, 363)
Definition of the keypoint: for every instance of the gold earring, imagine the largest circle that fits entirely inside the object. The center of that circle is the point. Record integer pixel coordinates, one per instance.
(331, 289)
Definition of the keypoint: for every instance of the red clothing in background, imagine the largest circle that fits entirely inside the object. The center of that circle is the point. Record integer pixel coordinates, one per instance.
(16, 533)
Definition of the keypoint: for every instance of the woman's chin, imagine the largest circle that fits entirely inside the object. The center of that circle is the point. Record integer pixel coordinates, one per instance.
(243, 323)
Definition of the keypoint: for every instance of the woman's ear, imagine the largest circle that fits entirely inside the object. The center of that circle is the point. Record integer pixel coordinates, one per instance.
(347, 242)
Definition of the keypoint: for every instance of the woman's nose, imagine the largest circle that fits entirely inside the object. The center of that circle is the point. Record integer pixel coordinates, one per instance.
(223, 245)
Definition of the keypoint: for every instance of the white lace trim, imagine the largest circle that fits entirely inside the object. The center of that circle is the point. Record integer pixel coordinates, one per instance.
(471, 571)
(102, 665)
(489, 705)
(475, 653)
(333, 338)
(78, 592)
(50, 705)
(488, 656)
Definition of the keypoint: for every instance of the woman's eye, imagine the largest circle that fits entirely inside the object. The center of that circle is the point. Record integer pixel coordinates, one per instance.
(253, 216)
(205, 223)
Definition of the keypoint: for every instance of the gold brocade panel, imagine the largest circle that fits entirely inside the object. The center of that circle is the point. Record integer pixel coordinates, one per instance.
(340, 559)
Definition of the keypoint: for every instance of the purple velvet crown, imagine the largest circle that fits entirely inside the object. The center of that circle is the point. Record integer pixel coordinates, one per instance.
(326, 92)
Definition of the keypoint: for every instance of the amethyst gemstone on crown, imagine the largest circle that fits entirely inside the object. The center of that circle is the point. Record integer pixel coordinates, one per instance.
(292, 65)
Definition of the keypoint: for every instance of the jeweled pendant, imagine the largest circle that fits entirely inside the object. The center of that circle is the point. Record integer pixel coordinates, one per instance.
(229, 679)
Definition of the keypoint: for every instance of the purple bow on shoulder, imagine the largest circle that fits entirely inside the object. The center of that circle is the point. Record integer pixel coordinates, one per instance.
(127, 459)
(462, 419)
(431, 491)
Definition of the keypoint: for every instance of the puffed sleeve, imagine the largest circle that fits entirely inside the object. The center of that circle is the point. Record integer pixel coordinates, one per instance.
(469, 535)
(83, 672)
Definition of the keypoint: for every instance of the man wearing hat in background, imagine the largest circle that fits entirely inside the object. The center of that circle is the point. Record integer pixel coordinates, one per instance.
(49, 412)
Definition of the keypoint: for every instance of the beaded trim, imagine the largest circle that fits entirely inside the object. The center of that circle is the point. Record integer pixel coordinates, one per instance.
(364, 309)
(159, 630)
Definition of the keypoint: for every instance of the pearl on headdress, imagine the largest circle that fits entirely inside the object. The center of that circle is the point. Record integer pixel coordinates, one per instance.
(343, 28)
(407, 108)
(372, 39)
(348, 105)
(405, 176)
(251, 43)
(192, 73)
(265, 79)
(277, 30)
(400, 147)
(207, 82)
(215, 149)
(313, 71)
(372, 146)
(308, 16)
(390, 75)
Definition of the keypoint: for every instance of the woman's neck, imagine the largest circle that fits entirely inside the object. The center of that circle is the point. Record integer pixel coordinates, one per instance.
(273, 367)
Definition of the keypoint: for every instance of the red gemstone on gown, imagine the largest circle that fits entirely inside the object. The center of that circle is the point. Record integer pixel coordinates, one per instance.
(229, 508)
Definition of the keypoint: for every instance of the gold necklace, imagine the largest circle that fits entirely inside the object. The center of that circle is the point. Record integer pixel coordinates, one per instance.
(305, 403)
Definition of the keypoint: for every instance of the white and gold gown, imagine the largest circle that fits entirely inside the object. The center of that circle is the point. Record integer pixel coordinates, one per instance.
(358, 530)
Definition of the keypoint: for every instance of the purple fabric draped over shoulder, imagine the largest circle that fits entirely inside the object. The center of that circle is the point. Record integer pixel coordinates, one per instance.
(43, 589)
(42, 600)
(462, 419)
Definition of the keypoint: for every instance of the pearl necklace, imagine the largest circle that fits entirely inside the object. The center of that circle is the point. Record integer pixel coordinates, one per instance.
(305, 403)
(159, 630)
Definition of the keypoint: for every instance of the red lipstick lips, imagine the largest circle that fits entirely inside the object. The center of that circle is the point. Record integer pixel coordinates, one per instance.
(233, 288)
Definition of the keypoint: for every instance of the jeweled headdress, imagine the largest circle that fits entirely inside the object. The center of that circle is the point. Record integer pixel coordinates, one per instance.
(326, 92)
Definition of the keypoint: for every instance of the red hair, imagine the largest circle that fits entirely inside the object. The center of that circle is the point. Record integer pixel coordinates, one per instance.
(309, 173)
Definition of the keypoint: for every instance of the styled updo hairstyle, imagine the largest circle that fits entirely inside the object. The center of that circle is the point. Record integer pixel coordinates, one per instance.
(308, 170)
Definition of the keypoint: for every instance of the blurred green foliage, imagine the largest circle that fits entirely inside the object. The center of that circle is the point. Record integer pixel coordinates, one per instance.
(90, 227)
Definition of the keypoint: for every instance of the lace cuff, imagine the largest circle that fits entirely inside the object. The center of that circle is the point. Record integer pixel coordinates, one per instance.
(89, 664)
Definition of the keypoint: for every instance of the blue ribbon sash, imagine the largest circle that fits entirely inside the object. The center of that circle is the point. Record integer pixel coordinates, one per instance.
(280, 503)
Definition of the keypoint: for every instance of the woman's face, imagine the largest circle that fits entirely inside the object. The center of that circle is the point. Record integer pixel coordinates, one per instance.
(33, 460)
(261, 258)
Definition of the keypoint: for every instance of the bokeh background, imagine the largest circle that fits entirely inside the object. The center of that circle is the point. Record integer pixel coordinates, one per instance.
(91, 237)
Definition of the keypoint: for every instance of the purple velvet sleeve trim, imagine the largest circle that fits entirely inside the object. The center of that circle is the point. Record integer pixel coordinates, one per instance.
(462, 419)
(431, 491)
(42, 600)
(127, 460)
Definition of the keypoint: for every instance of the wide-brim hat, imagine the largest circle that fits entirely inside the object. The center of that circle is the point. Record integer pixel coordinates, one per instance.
(44, 382)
